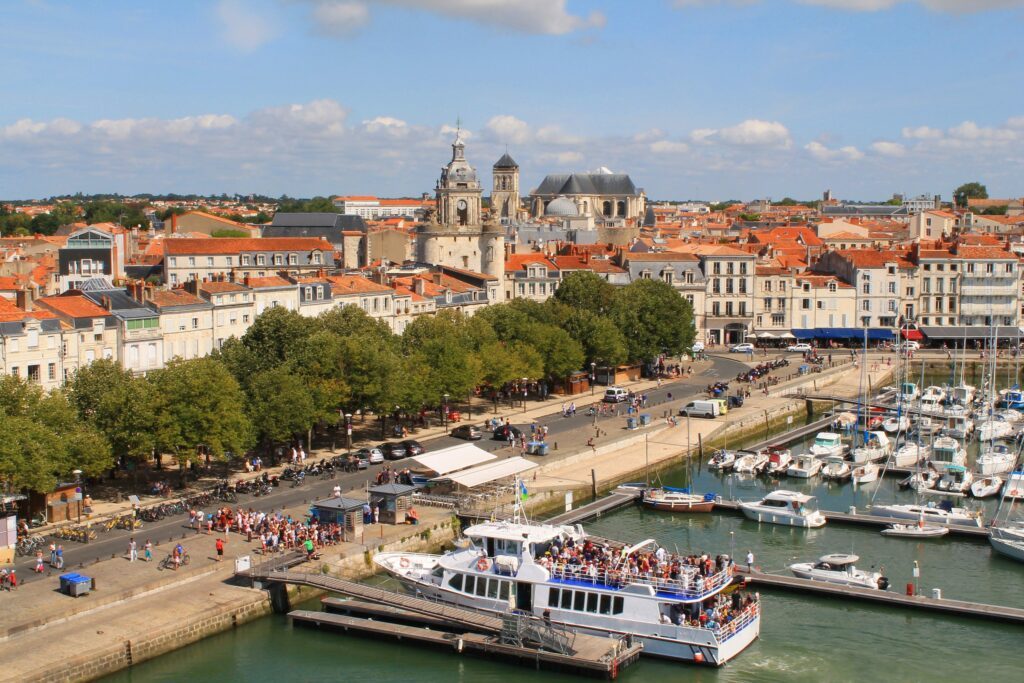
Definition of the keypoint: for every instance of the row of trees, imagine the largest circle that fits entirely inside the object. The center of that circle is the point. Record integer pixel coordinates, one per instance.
(289, 373)
(65, 213)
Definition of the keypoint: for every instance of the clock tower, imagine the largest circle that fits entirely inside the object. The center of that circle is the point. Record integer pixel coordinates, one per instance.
(458, 191)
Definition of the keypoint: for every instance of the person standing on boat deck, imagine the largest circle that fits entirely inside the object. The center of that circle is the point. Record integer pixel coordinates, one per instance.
(750, 561)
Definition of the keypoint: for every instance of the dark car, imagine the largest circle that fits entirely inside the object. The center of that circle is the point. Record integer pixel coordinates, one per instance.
(395, 451)
(502, 432)
(413, 447)
(467, 432)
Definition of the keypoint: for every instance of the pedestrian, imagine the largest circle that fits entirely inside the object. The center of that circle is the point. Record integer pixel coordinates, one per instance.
(367, 514)
(376, 514)
(13, 578)
(337, 491)
(53, 554)
(60, 556)
(148, 550)
(133, 550)
(750, 561)
(39, 562)
(220, 549)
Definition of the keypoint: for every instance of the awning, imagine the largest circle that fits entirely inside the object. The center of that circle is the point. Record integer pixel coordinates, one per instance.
(454, 458)
(972, 332)
(844, 333)
(767, 335)
(787, 335)
(492, 471)
(912, 335)
(801, 334)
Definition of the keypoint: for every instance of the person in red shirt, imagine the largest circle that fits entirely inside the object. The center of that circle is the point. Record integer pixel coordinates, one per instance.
(220, 549)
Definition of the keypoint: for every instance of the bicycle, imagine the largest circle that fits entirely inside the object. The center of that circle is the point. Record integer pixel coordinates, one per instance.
(168, 562)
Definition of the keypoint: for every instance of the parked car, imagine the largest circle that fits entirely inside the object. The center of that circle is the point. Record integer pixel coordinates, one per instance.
(615, 395)
(908, 345)
(372, 456)
(710, 409)
(395, 451)
(467, 432)
(697, 347)
(501, 433)
(413, 447)
(800, 348)
(745, 347)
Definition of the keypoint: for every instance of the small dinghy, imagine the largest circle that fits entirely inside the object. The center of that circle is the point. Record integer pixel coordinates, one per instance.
(919, 530)
(986, 487)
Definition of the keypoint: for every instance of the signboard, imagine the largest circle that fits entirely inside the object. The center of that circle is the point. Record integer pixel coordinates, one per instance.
(568, 501)
(243, 564)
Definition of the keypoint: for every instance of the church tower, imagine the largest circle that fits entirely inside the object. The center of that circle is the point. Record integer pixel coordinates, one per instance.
(458, 190)
(505, 195)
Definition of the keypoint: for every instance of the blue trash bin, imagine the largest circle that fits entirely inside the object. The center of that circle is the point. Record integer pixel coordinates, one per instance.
(630, 423)
(542, 449)
(645, 419)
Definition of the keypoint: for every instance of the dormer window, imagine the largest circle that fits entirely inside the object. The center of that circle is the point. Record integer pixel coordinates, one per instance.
(831, 286)
(261, 259)
(278, 260)
(316, 257)
(293, 259)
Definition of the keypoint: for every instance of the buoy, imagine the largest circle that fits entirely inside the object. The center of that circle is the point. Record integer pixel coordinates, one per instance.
(699, 657)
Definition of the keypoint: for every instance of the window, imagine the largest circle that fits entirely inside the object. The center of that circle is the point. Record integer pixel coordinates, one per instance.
(716, 286)
(553, 597)
(778, 319)
(174, 262)
(716, 308)
(832, 287)
(892, 287)
(926, 285)
(32, 339)
(15, 372)
(729, 268)
(866, 288)
(144, 324)
(195, 323)
(209, 262)
(492, 588)
(645, 275)
(667, 276)
(892, 305)
(606, 604)
(743, 268)
(261, 259)
(293, 259)
(566, 599)
(245, 260)
(191, 260)
(592, 602)
(229, 260)
(768, 303)
(767, 286)
(728, 286)
(728, 308)
(470, 582)
(579, 601)
(33, 373)
(245, 318)
(316, 257)
(805, 304)
(743, 308)
(617, 603)
(865, 305)
(990, 268)
(307, 294)
(716, 267)
(743, 285)
(51, 371)
(278, 260)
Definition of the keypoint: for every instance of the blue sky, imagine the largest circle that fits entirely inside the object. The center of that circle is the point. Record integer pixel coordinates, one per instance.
(694, 98)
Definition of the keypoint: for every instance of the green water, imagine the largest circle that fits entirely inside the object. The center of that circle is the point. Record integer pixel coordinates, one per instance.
(802, 638)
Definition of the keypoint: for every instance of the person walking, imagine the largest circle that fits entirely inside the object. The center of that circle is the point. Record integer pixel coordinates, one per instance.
(133, 550)
(148, 550)
(39, 562)
(220, 549)
(750, 561)
(53, 554)
(60, 557)
(376, 514)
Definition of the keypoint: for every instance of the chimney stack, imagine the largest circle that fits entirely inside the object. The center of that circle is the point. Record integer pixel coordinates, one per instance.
(418, 285)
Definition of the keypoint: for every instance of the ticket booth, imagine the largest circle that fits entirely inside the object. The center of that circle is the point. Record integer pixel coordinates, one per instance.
(393, 500)
(348, 512)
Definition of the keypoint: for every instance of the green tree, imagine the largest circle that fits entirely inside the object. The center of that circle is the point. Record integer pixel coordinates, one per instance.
(280, 406)
(351, 320)
(273, 333)
(122, 213)
(654, 319)
(995, 210)
(319, 360)
(584, 290)
(203, 406)
(974, 190)
(602, 341)
(228, 233)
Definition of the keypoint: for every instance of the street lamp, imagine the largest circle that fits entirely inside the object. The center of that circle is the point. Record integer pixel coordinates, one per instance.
(593, 377)
(348, 431)
(525, 380)
(444, 411)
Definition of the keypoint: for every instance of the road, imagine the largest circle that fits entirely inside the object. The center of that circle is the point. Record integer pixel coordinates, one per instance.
(567, 429)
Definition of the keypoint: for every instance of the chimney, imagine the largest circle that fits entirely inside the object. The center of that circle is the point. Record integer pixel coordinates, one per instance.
(418, 284)
(174, 223)
(437, 277)
(23, 298)
(105, 302)
(245, 280)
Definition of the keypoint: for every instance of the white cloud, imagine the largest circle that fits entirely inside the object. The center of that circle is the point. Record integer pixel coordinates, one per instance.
(823, 153)
(669, 147)
(649, 135)
(509, 129)
(922, 133)
(970, 131)
(887, 148)
(544, 17)
(243, 29)
(387, 124)
(951, 6)
(749, 133)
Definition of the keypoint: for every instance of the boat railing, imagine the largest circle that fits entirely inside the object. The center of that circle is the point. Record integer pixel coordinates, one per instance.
(693, 586)
(749, 613)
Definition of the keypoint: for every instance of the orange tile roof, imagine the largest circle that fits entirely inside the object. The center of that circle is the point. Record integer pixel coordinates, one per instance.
(823, 281)
(220, 287)
(215, 245)
(270, 282)
(73, 306)
(175, 297)
(520, 261)
(661, 256)
(355, 284)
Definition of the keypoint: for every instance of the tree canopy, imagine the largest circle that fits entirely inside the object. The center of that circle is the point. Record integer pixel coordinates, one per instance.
(973, 190)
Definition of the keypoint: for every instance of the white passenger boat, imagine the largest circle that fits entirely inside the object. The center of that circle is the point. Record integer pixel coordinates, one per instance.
(785, 507)
(750, 463)
(556, 572)
(956, 480)
(943, 513)
(866, 473)
(909, 454)
(826, 444)
(836, 469)
(986, 487)
(946, 451)
(839, 569)
(876, 448)
(804, 466)
(995, 459)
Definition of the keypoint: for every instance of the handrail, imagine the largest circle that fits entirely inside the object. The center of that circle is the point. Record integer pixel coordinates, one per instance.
(682, 587)
(727, 631)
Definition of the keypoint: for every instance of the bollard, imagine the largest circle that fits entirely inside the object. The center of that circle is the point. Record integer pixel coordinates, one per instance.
(556, 445)
(92, 583)
(853, 510)
(910, 590)
(937, 593)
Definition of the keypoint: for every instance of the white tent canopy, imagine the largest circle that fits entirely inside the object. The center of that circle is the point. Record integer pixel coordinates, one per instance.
(489, 472)
(454, 458)
(787, 335)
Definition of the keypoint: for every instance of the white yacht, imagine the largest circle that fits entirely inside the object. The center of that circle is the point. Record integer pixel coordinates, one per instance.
(943, 513)
(723, 460)
(779, 460)
(958, 426)
(1011, 548)
(804, 466)
(995, 459)
(866, 473)
(876, 447)
(963, 393)
(826, 444)
(909, 392)
(785, 507)
(588, 585)
(839, 569)
(956, 480)
(836, 468)
(909, 454)
(750, 463)
(896, 424)
(986, 487)
(946, 451)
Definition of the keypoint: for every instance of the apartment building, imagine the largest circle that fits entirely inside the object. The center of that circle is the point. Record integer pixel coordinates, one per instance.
(233, 307)
(885, 284)
(89, 331)
(970, 286)
(729, 292)
(210, 258)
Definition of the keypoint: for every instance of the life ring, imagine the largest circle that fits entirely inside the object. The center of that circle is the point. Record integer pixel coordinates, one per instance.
(483, 564)
(403, 563)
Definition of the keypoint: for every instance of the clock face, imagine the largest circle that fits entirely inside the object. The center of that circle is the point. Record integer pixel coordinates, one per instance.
(462, 205)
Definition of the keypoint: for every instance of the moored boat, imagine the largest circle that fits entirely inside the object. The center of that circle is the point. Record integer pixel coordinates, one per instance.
(986, 487)
(669, 499)
(919, 530)
(1010, 548)
(956, 480)
(826, 444)
(804, 466)
(995, 459)
(836, 469)
(908, 455)
(946, 451)
(876, 447)
(750, 463)
(865, 474)
(723, 460)
(779, 459)
(838, 568)
(789, 508)
(943, 513)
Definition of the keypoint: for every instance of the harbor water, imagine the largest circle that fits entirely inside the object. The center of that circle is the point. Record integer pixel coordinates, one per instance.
(803, 638)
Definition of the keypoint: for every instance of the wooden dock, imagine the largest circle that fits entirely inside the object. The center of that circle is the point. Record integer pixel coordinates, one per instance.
(596, 508)
(861, 519)
(950, 607)
(798, 433)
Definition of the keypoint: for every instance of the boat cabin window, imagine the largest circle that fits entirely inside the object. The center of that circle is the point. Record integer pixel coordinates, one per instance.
(579, 601)
(775, 503)
(481, 586)
(585, 601)
(438, 571)
(456, 582)
(470, 582)
(592, 602)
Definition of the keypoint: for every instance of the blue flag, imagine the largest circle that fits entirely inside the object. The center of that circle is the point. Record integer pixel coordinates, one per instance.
(523, 493)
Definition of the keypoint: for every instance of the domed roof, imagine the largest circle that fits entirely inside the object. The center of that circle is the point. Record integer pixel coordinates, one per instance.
(561, 206)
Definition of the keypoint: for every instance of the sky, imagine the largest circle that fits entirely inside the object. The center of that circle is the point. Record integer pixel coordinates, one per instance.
(710, 99)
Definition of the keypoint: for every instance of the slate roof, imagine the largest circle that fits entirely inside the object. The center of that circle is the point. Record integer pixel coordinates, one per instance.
(865, 210)
(506, 162)
(587, 183)
(315, 220)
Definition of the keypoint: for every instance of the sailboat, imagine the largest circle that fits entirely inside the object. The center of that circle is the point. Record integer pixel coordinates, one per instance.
(1005, 536)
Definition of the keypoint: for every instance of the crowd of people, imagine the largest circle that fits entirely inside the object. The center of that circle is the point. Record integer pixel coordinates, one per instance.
(388, 476)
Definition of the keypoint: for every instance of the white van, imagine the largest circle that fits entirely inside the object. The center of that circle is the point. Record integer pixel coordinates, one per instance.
(710, 409)
(615, 395)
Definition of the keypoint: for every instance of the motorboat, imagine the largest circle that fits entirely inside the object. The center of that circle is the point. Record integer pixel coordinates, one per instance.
(542, 571)
(894, 424)
(836, 469)
(750, 463)
(1014, 486)
(926, 426)
(994, 428)
(1013, 398)
(986, 487)
(995, 459)
(839, 569)
(866, 473)
(946, 451)
(933, 393)
(779, 460)
(909, 454)
(804, 466)
(876, 447)
(826, 444)
(909, 392)
(931, 405)
(789, 508)
(963, 394)
(1010, 415)
(941, 513)
(919, 530)
(958, 426)
(669, 499)
(956, 480)
(722, 460)
(844, 420)
(1009, 548)
(921, 481)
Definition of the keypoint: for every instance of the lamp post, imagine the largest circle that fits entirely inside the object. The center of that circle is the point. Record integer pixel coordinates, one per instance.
(444, 411)
(525, 380)
(593, 377)
(348, 432)
(81, 493)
